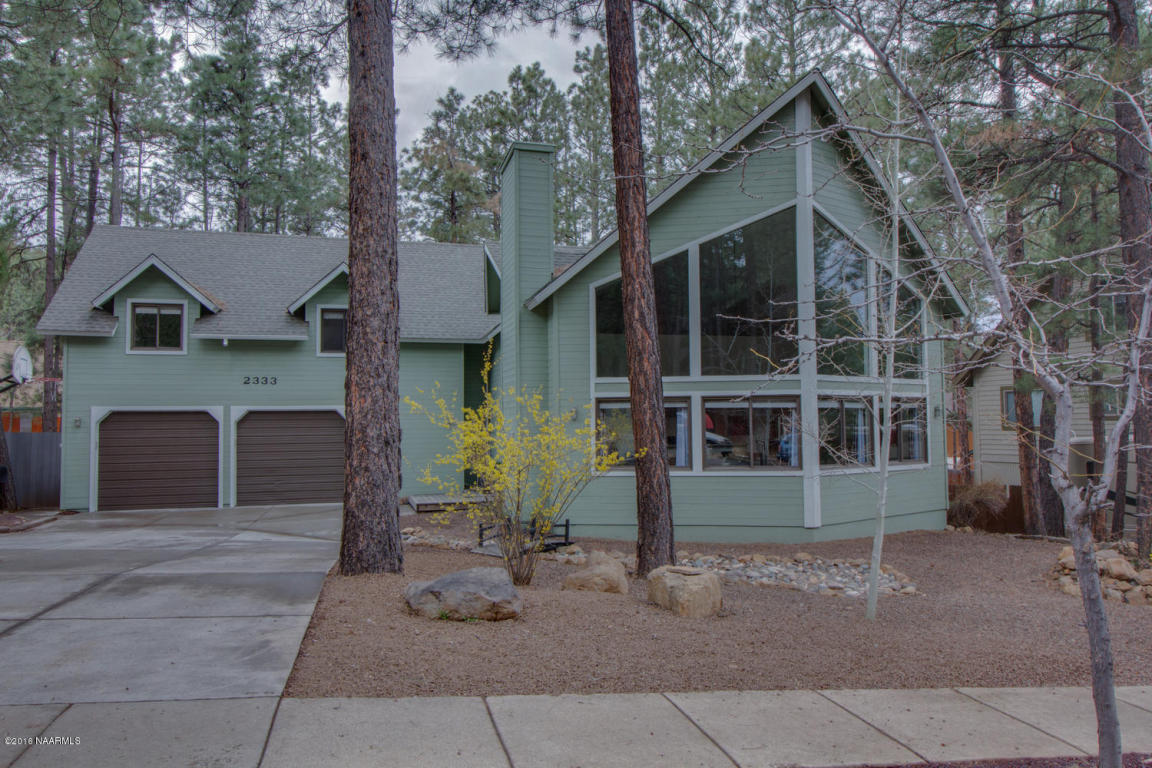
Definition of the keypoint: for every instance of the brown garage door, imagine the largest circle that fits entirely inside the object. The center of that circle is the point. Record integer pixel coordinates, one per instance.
(156, 460)
(290, 457)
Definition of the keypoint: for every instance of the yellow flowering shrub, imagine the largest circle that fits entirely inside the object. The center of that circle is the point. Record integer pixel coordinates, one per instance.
(523, 471)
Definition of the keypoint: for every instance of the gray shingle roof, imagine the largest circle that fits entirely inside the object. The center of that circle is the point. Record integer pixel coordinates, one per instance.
(563, 256)
(254, 278)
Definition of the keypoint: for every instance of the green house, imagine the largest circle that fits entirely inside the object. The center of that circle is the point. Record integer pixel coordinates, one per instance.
(206, 369)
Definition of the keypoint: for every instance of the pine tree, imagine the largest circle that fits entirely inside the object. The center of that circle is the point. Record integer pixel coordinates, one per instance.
(589, 159)
(444, 186)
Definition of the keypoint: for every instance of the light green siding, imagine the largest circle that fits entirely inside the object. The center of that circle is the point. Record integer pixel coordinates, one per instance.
(730, 506)
(99, 373)
(526, 244)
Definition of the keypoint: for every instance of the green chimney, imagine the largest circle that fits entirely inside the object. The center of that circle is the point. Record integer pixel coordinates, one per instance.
(526, 245)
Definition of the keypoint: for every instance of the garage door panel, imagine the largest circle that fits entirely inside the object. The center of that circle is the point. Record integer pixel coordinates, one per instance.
(290, 457)
(158, 459)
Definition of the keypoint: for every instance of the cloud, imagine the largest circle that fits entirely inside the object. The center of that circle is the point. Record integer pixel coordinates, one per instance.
(421, 76)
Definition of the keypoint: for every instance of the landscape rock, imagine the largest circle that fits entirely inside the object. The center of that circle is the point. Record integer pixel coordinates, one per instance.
(1071, 588)
(603, 574)
(689, 592)
(1137, 596)
(476, 593)
(1144, 577)
(1119, 568)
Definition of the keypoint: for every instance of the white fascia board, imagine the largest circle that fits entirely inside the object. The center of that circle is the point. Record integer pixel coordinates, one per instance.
(488, 255)
(247, 337)
(68, 332)
(480, 340)
(674, 188)
(813, 79)
(155, 261)
(341, 269)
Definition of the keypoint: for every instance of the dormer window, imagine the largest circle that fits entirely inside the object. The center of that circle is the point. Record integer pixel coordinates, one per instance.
(157, 327)
(333, 327)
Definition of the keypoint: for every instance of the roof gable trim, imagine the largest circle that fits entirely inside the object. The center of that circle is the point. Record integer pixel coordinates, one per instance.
(685, 179)
(813, 80)
(341, 269)
(154, 261)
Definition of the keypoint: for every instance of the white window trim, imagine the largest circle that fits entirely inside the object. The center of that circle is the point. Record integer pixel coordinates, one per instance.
(319, 310)
(694, 332)
(97, 414)
(684, 401)
(130, 326)
(927, 462)
(766, 401)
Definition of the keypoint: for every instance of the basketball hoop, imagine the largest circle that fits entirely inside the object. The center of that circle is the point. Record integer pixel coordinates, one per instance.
(21, 370)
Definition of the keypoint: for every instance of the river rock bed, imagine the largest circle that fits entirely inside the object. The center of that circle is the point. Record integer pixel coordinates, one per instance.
(805, 572)
(802, 571)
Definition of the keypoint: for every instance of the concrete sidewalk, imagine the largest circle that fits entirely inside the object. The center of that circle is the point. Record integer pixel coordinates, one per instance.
(750, 729)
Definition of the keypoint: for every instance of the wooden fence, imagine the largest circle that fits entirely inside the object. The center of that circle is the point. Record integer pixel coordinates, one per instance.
(35, 469)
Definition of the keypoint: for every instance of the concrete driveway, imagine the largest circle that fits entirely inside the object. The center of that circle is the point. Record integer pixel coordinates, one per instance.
(160, 606)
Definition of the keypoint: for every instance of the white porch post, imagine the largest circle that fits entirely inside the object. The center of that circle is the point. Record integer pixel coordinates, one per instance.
(806, 315)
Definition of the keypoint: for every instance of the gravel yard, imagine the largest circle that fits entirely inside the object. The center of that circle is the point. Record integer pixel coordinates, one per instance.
(986, 614)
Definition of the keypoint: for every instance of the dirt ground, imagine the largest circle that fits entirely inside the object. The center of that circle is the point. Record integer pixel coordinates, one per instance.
(986, 616)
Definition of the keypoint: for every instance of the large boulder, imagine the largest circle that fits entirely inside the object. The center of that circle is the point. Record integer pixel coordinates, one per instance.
(603, 574)
(1119, 568)
(690, 592)
(1144, 577)
(477, 593)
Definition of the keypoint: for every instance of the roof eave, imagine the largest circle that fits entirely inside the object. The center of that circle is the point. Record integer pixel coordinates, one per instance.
(682, 181)
(340, 269)
(73, 332)
(154, 261)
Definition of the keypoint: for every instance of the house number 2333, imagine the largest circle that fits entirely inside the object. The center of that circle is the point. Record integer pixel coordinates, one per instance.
(261, 380)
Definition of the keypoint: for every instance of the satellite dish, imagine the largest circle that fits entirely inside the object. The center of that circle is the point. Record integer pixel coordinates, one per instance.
(21, 365)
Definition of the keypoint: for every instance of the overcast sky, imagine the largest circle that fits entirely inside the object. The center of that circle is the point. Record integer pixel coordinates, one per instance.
(421, 77)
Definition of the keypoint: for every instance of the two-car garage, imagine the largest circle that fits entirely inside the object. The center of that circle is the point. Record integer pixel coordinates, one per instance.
(168, 459)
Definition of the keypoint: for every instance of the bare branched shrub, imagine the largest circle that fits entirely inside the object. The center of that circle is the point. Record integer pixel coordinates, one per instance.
(979, 501)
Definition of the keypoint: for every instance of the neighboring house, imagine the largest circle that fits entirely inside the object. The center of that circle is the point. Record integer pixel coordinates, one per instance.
(215, 358)
(992, 412)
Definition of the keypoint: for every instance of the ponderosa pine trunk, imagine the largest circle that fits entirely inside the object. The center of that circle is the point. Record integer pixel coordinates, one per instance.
(370, 540)
(1096, 397)
(94, 177)
(50, 408)
(963, 464)
(1120, 487)
(1135, 210)
(1014, 246)
(115, 194)
(1047, 497)
(7, 490)
(654, 542)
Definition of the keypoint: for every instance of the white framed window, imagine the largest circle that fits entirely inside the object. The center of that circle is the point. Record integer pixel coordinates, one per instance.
(845, 433)
(156, 328)
(753, 433)
(616, 416)
(331, 330)
(670, 276)
(909, 432)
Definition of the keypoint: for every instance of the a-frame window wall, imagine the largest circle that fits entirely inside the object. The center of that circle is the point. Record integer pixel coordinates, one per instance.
(727, 319)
